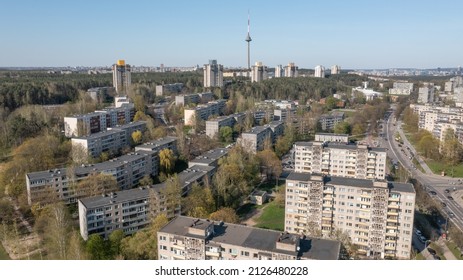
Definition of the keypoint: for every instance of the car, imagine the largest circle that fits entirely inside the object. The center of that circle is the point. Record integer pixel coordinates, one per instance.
(449, 197)
(447, 191)
(422, 239)
(436, 257)
(451, 215)
(432, 251)
(433, 192)
(443, 204)
(418, 232)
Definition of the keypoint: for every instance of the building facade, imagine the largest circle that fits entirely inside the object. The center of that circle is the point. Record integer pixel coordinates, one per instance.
(213, 126)
(329, 121)
(213, 74)
(332, 137)
(258, 72)
(319, 71)
(168, 88)
(255, 140)
(335, 69)
(121, 77)
(203, 112)
(291, 70)
(338, 159)
(127, 170)
(195, 98)
(132, 210)
(186, 238)
(376, 215)
(426, 94)
(279, 71)
(401, 88)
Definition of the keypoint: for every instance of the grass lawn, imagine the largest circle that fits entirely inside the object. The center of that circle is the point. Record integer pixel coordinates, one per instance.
(437, 168)
(438, 250)
(245, 209)
(419, 257)
(455, 250)
(418, 165)
(3, 253)
(273, 217)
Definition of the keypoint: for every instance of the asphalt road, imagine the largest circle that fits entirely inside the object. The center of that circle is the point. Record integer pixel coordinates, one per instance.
(432, 182)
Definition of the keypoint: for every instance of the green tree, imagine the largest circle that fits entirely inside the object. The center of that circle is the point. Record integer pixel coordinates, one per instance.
(342, 128)
(146, 180)
(115, 240)
(96, 184)
(97, 248)
(270, 163)
(226, 134)
(225, 214)
(199, 202)
(76, 249)
(451, 149)
(173, 194)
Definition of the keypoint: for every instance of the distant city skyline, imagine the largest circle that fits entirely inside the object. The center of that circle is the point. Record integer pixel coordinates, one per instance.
(358, 35)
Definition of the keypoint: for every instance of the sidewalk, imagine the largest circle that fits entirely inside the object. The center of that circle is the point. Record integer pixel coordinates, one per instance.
(447, 253)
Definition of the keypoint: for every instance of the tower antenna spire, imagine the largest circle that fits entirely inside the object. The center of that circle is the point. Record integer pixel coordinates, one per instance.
(248, 40)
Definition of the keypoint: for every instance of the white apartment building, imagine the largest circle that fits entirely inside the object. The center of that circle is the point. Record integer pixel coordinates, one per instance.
(335, 69)
(340, 159)
(258, 72)
(329, 121)
(187, 238)
(401, 88)
(254, 140)
(213, 74)
(279, 71)
(377, 215)
(426, 94)
(319, 71)
(97, 143)
(291, 70)
(332, 137)
(167, 142)
(203, 112)
(168, 88)
(121, 76)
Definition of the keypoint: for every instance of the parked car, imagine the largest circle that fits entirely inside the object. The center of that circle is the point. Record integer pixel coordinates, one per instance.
(433, 192)
(431, 251)
(447, 191)
(422, 238)
(450, 197)
(443, 204)
(436, 257)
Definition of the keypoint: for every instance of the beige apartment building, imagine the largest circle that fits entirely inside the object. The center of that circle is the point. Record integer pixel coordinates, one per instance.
(186, 238)
(377, 215)
(340, 159)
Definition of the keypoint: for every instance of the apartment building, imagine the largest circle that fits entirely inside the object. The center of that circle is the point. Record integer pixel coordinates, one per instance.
(100, 120)
(213, 74)
(168, 88)
(340, 159)
(291, 70)
(258, 72)
(377, 215)
(127, 170)
(194, 98)
(209, 158)
(101, 94)
(167, 142)
(284, 114)
(254, 140)
(213, 126)
(203, 112)
(319, 71)
(187, 238)
(279, 71)
(121, 76)
(401, 88)
(131, 210)
(128, 129)
(426, 94)
(332, 137)
(263, 115)
(329, 121)
(335, 69)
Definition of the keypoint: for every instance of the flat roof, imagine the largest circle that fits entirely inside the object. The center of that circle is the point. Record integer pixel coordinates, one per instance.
(97, 135)
(185, 177)
(256, 238)
(157, 143)
(332, 134)
(86, 169)
(210, 156)
(128, 125)
(257, 130)
(338, 145)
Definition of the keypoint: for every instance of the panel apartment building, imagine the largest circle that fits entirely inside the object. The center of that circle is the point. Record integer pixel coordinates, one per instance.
(195, 98)
(377, 215)
(100, 120)
(340, 159)
(254, 140)
(127, 170)
(130, 210)
(213, 126)
(203, 112)
(111, 140)
(186, 238)
(167, 142)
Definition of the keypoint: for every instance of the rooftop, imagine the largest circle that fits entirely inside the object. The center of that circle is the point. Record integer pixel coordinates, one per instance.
(157, 143)
(210, 156)
(128, 125)
(337, 145)
(259, 239)
(185, 177)
(97, 135)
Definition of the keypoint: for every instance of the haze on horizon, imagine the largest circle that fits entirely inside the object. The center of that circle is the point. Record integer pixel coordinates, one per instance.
(360, 35)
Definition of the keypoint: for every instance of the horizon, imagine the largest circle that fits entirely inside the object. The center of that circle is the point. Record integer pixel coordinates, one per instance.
(360, 35)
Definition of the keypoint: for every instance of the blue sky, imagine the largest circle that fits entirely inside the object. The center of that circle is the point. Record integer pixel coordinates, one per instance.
(353, 34)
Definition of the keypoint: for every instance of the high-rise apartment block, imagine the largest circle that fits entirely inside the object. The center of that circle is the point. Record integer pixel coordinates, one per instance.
(401, 88)
(279, 71)
(186, 238)
(291, 70)
(213, 74)
(255, 140)
(121, 77)
(377, 215)
(258, 72)
(168, 88)
(426, 94)
(335, 69)
(340, 159)
(319, 71)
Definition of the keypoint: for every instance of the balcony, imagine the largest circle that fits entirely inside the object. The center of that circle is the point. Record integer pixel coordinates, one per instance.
(393, 205)
(396, 198)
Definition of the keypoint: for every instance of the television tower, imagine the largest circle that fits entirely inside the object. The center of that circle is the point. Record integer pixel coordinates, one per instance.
(248, 39)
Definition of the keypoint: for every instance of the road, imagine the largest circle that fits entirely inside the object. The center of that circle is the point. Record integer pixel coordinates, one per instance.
(432, 182)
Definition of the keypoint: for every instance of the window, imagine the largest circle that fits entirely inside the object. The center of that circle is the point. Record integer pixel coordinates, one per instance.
(245, 253)
(163, 237)
(163, 247)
